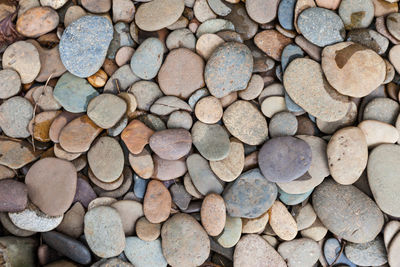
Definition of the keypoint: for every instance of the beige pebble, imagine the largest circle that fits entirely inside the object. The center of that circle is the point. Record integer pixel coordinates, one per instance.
(207, 43)
(129, 211)
(146, 230)
(272, 105)
(189, 186)
(208, 110)
(142, 164)
(377, 132)
(316, 231)
(101, 201)
(390, 230)
(282, 222)
(124, 55)
(213, 214)
(254, 88)
(256, 225)
(202, 11)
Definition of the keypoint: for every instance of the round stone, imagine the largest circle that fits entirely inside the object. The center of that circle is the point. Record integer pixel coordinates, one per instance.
(300, 252)
(283, 124)
(157, 202)
(304, 215)
(11, 83)
(347, 212)
(209, 110)
(182, 73)
(255, 225)
(262, 11)
(244, 27)
(106, 159)
(377, 132)
(356, 13)
(165, 170)
(317, 231)
(43, 97)
(353, 69)
(15, 115)
(144, 253)
(13, 195)
(254, 88)
(23, 57)
(213, 214)
(171, 144)
(56, 4)
(142, 164)
(202, 11)
(244, 121)
(37, 21)
(286, 14)
(73, 13)
(89, 36)
(207, 43)
(231, 233)
(284, 159)
(371, 253)
(282, 222)
(158, 14)
(272, 105)
(72, 223)
(146, 93)
(228, 69)
(180, 119)
(106, 110)
(146, 230)
(147, 59)
(315, 20)
(129, 211)
(382, 109)
(184, 242)
(104, 232)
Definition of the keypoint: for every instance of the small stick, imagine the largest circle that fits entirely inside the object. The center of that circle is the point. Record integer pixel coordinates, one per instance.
(117, 85)
(339, 255)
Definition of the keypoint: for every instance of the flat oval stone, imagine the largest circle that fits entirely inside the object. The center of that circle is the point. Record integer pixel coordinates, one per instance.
(382, 109)
(37, 21)
(356, 14)
(104, 232)
(304, 215)
(282, 222)
(317, 231)
(255, 225)
(11, 83)
(15, 115)
(171, 144)
(97, 6)
(211, 140)
(315, 20)
(40, 125)
(213, 214)
(184, 242)
(283, 124)
(347, 212)
(157, 202)
(286, 14)
(144, 253)
(146, 93)
(300, 252)
(353, 69)
(202, 11)
(106, 159)
(383, 179)
(106, 110)
(125, 78)
(72, 223)
(181, 38)
(136, 135)
(377, 132)
(331, 252)
(146, 230)
(293, 199)
(89, 36)
(16, 153)
(181, 73)
(74, 93)
(231, 233)
(372, 253)
(307, 86)
(13, 195)
(390, 231)
(155, 15)
(51, 185)
(180, 196)
(262, 11)
(284, 159)
(214, 25)
(43, 97)
(147, 59)
(245, 122)
(228, 69)
(250, 195)
(180, 119)
(333, 126)
(244, 28)
(165, 170)
(255, 249)
(142, 164)
(139, 187)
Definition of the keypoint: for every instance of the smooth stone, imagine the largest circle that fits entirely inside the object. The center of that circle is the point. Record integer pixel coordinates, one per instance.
(74, 93)
(136, 135)
(352, 69)
(348, 120)
(129, 211)
(11, 228)
(382, 177)
(304, 215)
(165, 170)
(72, 223)
(290, 52)
(382, 109)
(315, 20)
(211, 140)
(124, 55)
(282, 222)
(383, 7)
(118, 127)
(146, 93)
(23, 57)
(142, 164)
(331, 251)
(51, 184)
(184, 242)
(300, 252)
(299, 7)
(40, 125)
(311, 49)
(202, 176)
(356, 13)
(181, 73)
(55, 4)
(190, 188)
(43, 97)
(209, 110)
(369, 38)
(157, 202)
(15, 115)
(372, 253)
(352, 216)
(255, 225)
(283, 124)
(219, 7)
(18, 251)
(231, 232)
(67, 246)
(213, 214)
(171, 144)
(113, 262)
(390, 230)
(394, 58)
(393, 257)
(254, 88)
(202, 11)
(139, 187)
(89, 36)
(377, 132)
(272, 43)
(168, 104)
(120, 39)
(214, 25)
(131, 103)
(310, 90)
(123, 10)
(144, 253)
(32, 219)
(180, 119)
(181, 38)
(106, 110)
(146, 230)
(242, 116)
(262, 11)
(273, 105)
(16, 153)
(37, 21)
(122, 189)
(196, 96)
(250, 195)
(147, 59)
(13, 195)
(293, 199)
(286, 14)
(244, 27)
(124, 77)
(101, 201)
(73, 13)
(59, 123)
(97, 6)
(255, 249)
(11, 83)
(292, 161)
(317, 231)
(104, 231)
(84, 193)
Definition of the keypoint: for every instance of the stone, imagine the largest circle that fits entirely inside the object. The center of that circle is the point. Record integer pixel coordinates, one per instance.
(231, 233)
(190, 188)
(43, 97)
(393, 25)
(356, 14)
(382, 109)
(213, 214)
(390, 230)
(261, 11)
(286, 14)
(106, 110)
(123, 10)
(282, 222)
(40, 125)
(331, 250)
(207, 43)
(89, 36)
(72, 223)
(377, 132)
(273, 105)
(11, 83)
(317, 231)
(300, 252)
(144, 253)
(140, 185)
(250, 195)
(18, 251)
(293, 199)
(157, 202)
(104, 231)
(213, 26)
(272, 43)
(283, 124)
(180, 119)
(202, 11)
(393, 257)
(146, 93)
(84, 193)
(168, 169)
(209, 110)
(59, 123)
(228, 69)
(181, 38)
(124, 55)
(16, 153)
(352, 216)
(37, 21)
(15, 115)
(254, 88)
(299, 7)
(348, 120)
(168, 104)
(147, 59)
(13, 195)
(244, 28)
(142, 164)
(129, 211)
(383, 8)
(255, 225)
(73, 13)
(53, 4)
(311, 49)
(136, 135)
(304, 215)
(146, 230)
(372, 253)
(242, 116)
(101, 6)
(171, 144)
(219, 7)
(180, 196)
(120, 80)
(11, 228)
(370, 39)
(98, 79)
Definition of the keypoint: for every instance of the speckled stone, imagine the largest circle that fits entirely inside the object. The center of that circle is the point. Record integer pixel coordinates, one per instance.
(121, 38)
(286, 14)
(171, 144)
(262, 11)
(37, 21)
(11, 83)
(371, 253)
(356, 13)
(106, 110)
(147, 59)
(272, 43)
(382, 109)
(231, 233)
(293, 199)
(15, 115)
(245, 27)
(144, 253)
(300, 252)
(13, 195)
(214, 25)
(89, 36)
(369, 38)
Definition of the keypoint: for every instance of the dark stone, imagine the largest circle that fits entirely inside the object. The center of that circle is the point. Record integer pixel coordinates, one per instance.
(180, 196)
(84, 193)
(13, 195)
(140, 185)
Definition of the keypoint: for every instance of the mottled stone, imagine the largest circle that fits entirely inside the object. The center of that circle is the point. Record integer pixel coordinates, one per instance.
(300, 252)
(147, 59)
(272, 43)
(171, 144)
(13, 195)
(15, 115)
(213, 214)
(144, 253)
(231, 233)
(157, 202)
(371, 253)
(37, 21)
(356, 13)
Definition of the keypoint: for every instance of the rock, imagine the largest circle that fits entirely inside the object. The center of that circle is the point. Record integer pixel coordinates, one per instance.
(136, 135)
(146, 230)
(123, 10)
(317, 231)
(104, 232)
(202, 11)
(343, 62)
(228, 69)
(51, 184)
(124, 55)
(154, 16)
(106, 110)
(157, 202)
(304, 215)
(171, 144)
(15, 115)
(372, 253)
(213, 214)
(348, 120)
(313, 21)
(286, 14)
(331, 251)
(209, 110)
(11, 228)
(282, 222)
(40, 125)
(43, 97)
(300, 252)
(181, 38)
(146, 93)
(11, 83)
(255, 225)
(53, 4)
(13, 195)
(353, 216)
(73, 13)
(129, 211)
(207, 43)
(231, 232)
(139, 188)
(182, 73)
(283, 124)
(16, 153)
(168, 169)
(72, 223)
(184, 242)
(293, 199)
(370, 39)
(37, 21)
(382, 109)
(244, 28)
(180, 196)
(168, 104)
(219, 7)
(250, 195)
(242, 116)
(377, 132)
(356, 14)
(180, 119)
(262, 12)
(390, 230)
(94, 6)
(89, 36)
(272, 43)
(393, 257)
(214, 25)
(144, 253)
(147, 59)
(124, 77)
(18, 251)
(59, 123)
(142, 164)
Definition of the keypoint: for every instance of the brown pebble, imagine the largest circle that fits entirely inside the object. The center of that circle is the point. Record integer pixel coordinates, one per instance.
(213, 214)
(157, 202)
(136, 135)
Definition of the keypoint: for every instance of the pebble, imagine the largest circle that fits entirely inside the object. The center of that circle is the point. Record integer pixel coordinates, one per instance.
(73, 13)
(136, 135)
(168, 169)
(377, 132)
(356, 14)
(393, 257)
(343, 62)
(219, 7)
(184, 242)
(304, 215)
(37, 21)
(144, 253)
(84, 193)
(207, 43)
(213, 214)
(180, 196)
(313, 21)
(283, 124)
(181, 73)
(393, 25)
(104, 231)
(40, 125)
(53, 4)
(171, 144)
(243, 25)
(140, 186)
(272, 43)
(124, 77)
(372, 253)
(101, 201)
(129, 211)
(147, 59)
(180, 119)
(16, 153)
(228, 69)
(382, 109)
(250, 195)
(331, 251)
(282, 222)
(15, 115)
(72, 223)
(300, 252)
(202, 11)
(106, 110)
(231, 232)
(273, 105)
(353, 216)
(123, 10)
(94, 6)
(213, 26)
(390, 230)
(157, 202)
(59, 123)
(293, 199)
(242, 116)
(43, 97)
(286, 14)
(142, 163)
(11, 83)
(255, 225)
(181, 38)
(146, 93)
(11, 228)
(75, 42)
(370, 39)
(18, 251)
(190, 188)
(262, 12)
(13, 195)
(146, 230)
(333, 126)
